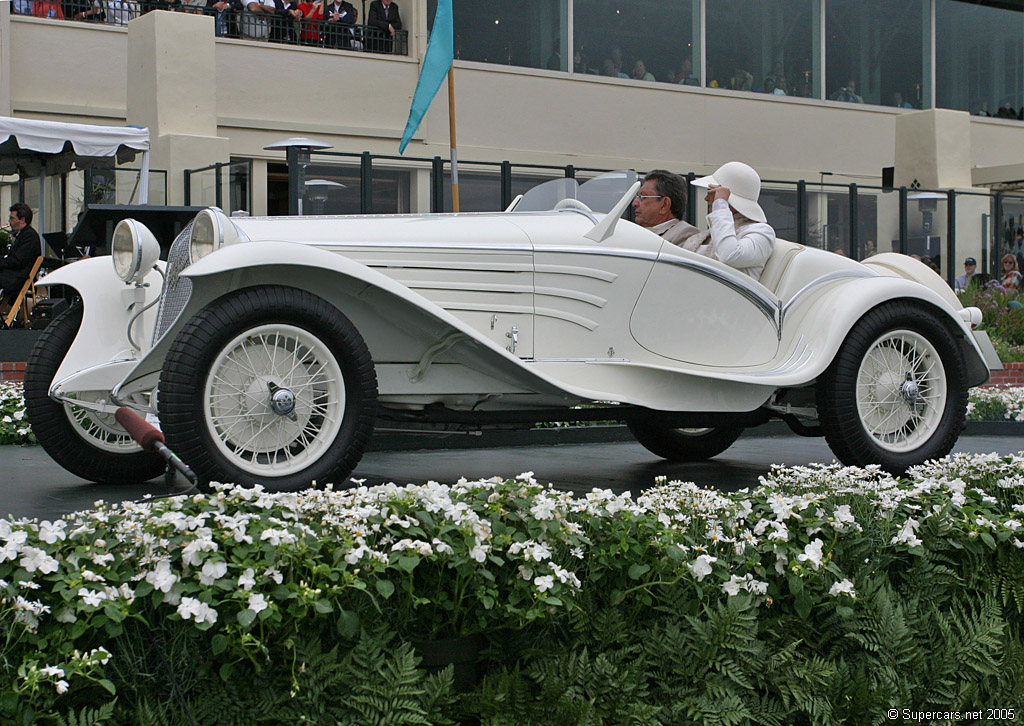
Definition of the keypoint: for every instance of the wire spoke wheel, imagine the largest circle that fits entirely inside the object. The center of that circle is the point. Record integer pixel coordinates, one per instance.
(269, 385)
(901, 390)
(97, 428)
(896, 392)
(87, 443)
(258, 370)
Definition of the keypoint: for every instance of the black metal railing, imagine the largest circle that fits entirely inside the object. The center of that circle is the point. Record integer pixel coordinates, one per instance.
(233, 19)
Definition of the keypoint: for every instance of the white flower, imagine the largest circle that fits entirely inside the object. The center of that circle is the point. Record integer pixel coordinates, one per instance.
(52, 671)
(843, 587)
(162, 578)
(479, 552)
(62, 686)
(212, 571)
(51, 532)
(543, 508)
(247, 579)
(812, 553)
(544, 582)
(907, 535)
(701, 567)
(92, 597)
(33, 558)
(257, 602)
(191, 607)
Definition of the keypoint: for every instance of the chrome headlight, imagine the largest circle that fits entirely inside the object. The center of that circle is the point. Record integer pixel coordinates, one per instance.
(133, 250)
(211, 230)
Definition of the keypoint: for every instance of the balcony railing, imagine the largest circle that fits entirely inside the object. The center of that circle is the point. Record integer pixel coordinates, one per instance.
(231, 20)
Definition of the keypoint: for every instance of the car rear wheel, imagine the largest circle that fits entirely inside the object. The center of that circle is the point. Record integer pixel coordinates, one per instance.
(690, 444)
(88, 443)
(896, 393)
(269, 385)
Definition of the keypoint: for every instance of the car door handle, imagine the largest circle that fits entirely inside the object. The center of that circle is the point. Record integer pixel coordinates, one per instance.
(514, 335)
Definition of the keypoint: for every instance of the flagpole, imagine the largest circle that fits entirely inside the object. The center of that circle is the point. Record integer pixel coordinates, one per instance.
(451, 133)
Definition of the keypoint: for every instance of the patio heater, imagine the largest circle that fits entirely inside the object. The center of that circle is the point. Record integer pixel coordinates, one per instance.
(297, 151)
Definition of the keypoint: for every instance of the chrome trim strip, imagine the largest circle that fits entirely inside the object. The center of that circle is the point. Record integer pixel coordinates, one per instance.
(602, 275)
(465, 286)
(830, 277)
(583, 297)
(562, 315)
(469, 246)
(576, 360)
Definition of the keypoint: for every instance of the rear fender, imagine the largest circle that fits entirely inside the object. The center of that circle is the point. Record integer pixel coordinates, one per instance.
(817, 320)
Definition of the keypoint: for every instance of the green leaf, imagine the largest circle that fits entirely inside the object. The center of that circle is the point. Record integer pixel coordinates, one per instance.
(803, 604)
(636, 571)
(108, 685)
(408, 562)
(348, 624)
(245, 619)
(796, 585)
(987, 539)
(219, 644)
(225, 671)
(323, 606)
(425, 519)
(386, 588)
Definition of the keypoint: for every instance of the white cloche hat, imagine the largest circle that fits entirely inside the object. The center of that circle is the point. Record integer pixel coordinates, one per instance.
(744, 187)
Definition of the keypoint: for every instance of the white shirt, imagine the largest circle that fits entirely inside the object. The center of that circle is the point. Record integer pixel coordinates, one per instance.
(738, 241)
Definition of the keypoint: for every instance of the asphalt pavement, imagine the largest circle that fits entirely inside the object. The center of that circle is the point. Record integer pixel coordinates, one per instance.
(36, 487)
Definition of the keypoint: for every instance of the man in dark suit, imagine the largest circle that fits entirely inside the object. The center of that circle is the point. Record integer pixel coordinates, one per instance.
(17, 263)
(339, 17)
(383, 17)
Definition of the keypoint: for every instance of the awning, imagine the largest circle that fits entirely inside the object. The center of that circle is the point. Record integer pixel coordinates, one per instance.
(35, 147)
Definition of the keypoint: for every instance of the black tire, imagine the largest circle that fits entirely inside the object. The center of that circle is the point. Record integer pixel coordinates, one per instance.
(896, 393)
(677, 444)
(92, 446)
(216, 406)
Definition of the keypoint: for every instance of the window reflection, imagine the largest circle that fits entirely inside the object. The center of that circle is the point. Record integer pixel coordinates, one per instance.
(875, 51)
(643, 40)
(979, 57)
(528, 33)
(764, 46)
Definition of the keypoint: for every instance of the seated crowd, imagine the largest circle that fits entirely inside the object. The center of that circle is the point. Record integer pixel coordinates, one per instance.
(322, 23)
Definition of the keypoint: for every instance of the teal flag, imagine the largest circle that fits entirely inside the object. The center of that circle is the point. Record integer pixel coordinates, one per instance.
(436, 62)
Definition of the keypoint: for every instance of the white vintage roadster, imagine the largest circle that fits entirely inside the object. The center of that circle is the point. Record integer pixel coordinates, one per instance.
(271, 349)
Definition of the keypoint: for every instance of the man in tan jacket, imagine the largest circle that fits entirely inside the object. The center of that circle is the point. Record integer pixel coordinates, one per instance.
(660, 205)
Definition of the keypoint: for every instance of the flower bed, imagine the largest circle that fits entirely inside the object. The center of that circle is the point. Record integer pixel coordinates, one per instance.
(14, 427)
(824, 595)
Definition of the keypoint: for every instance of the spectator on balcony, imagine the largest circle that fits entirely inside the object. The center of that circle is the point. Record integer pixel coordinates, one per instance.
(224, 12)
(47, 9)
(286, 22)
(255, 22)
(898, 101)
(22, 7)
(848, 93)
(312, 23)
(384, 18)
(640, 72)
(88, 10)
(339, 17)
(970, 269)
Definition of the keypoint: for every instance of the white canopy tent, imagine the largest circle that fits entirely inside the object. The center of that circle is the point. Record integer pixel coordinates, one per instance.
(40, 148)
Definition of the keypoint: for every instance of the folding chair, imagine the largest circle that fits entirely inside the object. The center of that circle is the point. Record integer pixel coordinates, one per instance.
(21, 303)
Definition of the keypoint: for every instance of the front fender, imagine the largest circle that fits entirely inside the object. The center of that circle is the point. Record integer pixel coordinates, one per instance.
(108, 306)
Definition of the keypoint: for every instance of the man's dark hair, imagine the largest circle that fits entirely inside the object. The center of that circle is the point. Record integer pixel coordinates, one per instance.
(23, 211)
(672, 186)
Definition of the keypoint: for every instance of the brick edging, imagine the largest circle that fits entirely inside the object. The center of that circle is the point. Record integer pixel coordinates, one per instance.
(1011, 375)
(12, 371)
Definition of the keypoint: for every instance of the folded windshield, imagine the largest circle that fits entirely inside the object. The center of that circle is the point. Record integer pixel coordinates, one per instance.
(599, 194)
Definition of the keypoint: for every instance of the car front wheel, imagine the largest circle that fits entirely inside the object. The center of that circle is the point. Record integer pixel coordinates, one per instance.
(86, 442)
(269, 385)
(896, 393)
(690, 444)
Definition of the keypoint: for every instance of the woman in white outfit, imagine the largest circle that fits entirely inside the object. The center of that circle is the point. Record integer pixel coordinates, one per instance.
(740, 235)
